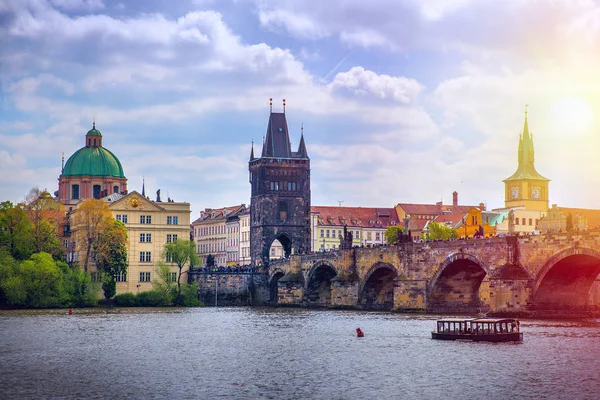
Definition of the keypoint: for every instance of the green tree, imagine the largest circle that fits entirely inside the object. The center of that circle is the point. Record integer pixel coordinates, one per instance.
(37, 283)
(165, 285)
(391, 233)
(436, 231)
(46, 216)
(111, 254)
(15, 231)
(182, 252)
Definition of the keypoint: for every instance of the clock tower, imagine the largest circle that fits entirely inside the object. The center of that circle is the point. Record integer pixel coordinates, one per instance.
(526, 187)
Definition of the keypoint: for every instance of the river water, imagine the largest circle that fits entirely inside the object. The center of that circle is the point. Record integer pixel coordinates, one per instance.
(248, 353)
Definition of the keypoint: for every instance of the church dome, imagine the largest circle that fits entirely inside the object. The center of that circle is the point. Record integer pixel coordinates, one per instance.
(93, 159)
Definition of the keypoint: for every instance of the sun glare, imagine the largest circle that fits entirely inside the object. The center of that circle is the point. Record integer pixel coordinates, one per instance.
(571, 116)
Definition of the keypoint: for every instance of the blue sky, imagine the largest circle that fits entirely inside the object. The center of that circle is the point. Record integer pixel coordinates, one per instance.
(401, 101)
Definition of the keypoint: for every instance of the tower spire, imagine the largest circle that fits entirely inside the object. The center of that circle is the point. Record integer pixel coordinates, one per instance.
(271, 104)
(143, 186)
(284, 106)
(94, 123)
(252, 151)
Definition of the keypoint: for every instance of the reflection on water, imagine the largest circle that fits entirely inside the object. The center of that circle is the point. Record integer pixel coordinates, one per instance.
(248, 353)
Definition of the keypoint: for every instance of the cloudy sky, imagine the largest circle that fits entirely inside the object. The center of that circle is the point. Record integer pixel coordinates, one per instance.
(401, 100)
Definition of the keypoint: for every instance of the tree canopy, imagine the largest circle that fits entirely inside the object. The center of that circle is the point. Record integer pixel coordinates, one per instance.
(111, 254)
(437, 231)
(90, 220)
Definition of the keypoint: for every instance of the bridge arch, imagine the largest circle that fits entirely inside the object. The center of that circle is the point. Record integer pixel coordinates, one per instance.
(317, 292)
(273, 284)
(455, 285)
(377, 288)
(565, 279)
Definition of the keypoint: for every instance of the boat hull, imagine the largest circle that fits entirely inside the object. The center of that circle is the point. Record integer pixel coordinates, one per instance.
(495, 337)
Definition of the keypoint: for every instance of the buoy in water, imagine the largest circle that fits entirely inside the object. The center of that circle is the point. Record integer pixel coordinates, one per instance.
(359, 333)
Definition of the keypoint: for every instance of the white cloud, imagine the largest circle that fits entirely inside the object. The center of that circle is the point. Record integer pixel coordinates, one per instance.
(295, 23)
(366, 38)
(360, 82)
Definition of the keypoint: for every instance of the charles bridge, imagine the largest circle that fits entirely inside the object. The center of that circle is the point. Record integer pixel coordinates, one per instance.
(501, 275)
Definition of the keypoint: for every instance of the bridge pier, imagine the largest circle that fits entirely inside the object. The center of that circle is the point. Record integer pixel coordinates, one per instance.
(344, 290)
(290, 289)
(506, 296)
(410, 295)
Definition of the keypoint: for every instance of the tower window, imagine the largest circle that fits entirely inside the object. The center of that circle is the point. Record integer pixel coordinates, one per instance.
(283, 210)
(115, 189)
(96, 191)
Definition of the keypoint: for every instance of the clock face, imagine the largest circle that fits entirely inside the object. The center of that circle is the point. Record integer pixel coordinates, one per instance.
(515, 193)
(535, 193)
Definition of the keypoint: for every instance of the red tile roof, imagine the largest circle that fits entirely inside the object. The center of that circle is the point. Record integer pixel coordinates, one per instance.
(433, 209)
(356, 216)
(213, 214)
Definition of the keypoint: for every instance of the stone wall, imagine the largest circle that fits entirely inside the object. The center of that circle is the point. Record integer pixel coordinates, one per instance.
(234, 289)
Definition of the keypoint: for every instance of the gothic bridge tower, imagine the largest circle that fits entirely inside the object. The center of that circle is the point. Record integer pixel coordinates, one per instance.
(526, 187)
(280, 194)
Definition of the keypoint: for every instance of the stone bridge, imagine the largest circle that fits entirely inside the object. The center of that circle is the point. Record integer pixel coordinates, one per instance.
(509, 275)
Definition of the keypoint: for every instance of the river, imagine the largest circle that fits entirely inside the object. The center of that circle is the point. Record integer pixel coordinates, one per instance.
(249, 353)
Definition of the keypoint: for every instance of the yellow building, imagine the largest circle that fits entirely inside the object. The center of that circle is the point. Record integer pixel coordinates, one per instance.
(472, 223)
(150, 224)
(526, 187)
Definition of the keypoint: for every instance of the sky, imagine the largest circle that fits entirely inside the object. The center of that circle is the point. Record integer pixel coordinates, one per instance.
(402, 101)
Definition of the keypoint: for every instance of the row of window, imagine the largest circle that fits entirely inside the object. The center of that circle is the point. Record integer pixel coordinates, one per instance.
(210, 230)
(290, 186)
(147, 219)
(355, 234)
(211, 247)
(96, 190)
(524, 220)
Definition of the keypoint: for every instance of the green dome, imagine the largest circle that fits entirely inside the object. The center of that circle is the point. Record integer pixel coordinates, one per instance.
(93, 161)
(93, 132)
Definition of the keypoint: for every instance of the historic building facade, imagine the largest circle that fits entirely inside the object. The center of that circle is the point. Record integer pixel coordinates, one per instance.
(367, 226)
(150, 225)
(93, 171)
(210, 233)
(280, 194)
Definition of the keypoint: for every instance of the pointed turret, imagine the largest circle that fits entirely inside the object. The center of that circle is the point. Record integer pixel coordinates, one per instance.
(277, 142)
(143, 187)
(252, 152)
(302, 153)
(526, 167)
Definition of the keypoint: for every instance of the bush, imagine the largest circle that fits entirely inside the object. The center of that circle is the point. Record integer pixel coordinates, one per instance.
(126, 300)
(189, 295)
(150, 298)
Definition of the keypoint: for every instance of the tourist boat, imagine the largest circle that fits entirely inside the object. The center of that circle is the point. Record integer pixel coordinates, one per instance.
(479, 329)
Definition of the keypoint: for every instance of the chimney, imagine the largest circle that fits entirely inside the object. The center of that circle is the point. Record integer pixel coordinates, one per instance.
(482, 206)
(455, 198)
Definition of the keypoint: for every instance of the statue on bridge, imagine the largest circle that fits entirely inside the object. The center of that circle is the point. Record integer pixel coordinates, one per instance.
(346, 240)
(511, 222)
